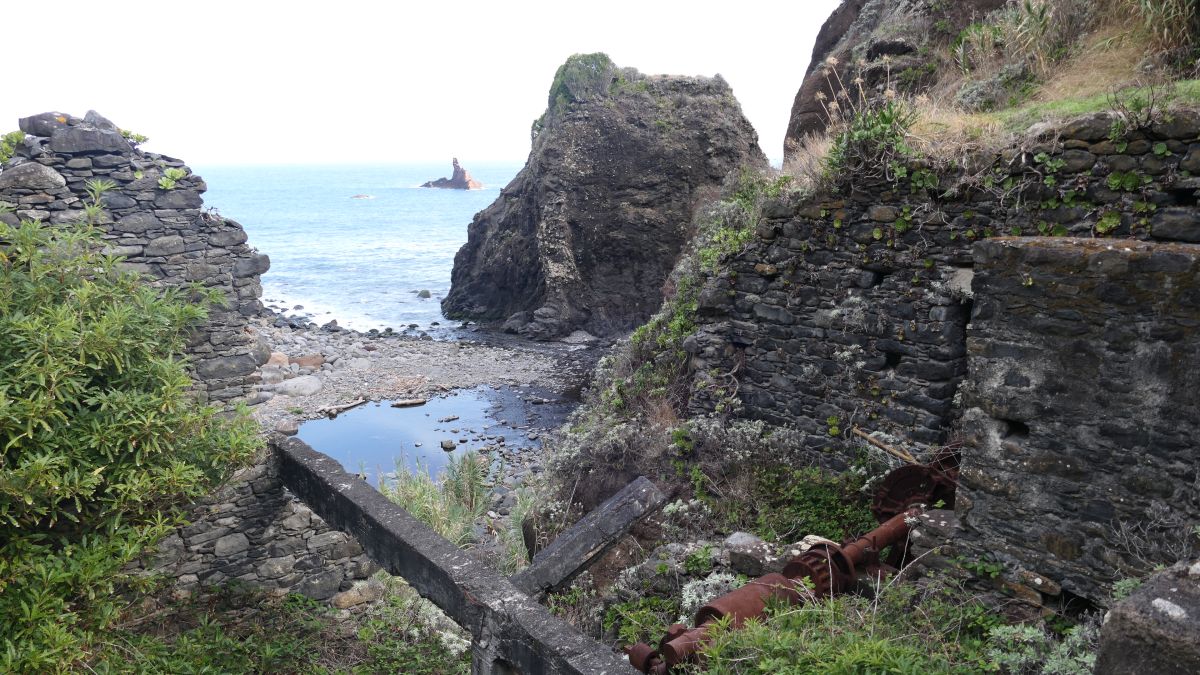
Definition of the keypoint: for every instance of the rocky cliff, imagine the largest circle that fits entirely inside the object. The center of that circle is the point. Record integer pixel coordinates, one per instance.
(886, 42)
(586, 234)
(153, 217)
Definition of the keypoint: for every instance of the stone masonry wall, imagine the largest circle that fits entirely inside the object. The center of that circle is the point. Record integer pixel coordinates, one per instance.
(163, 233)
(852, 309)
(1082, 409)
(253, 530)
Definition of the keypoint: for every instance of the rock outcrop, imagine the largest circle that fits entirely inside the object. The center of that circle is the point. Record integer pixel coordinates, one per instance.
(586, 234)
(460, 179)
(153, 218)
(881, 40)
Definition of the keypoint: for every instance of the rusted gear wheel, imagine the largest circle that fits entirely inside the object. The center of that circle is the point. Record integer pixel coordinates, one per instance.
(903, 487)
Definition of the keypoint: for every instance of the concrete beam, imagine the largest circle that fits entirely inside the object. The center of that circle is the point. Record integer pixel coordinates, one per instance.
(583, 543)
(511, 633)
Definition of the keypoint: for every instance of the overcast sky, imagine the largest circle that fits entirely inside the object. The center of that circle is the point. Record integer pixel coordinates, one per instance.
(264, 82)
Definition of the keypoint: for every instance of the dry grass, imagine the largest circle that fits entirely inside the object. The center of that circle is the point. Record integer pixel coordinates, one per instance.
(807, 164)
(1110, 60)
(944, 132)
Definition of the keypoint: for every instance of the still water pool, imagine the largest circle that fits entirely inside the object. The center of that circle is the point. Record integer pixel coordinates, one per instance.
(375, 438)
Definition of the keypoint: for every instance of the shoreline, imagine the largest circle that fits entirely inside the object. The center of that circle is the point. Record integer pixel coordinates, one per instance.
(532, 386)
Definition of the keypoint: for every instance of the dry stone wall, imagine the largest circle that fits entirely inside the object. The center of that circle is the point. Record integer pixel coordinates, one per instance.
(163, 233)
(1082, 407)
(854, 310)
(254, 531)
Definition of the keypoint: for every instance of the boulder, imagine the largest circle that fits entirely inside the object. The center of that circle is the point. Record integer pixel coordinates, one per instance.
(748, 554)
(45, 124)
(310, 361)
(305, 385)
(31, 176)
(72, 140)
(1157, 628)
(460, 179)
(360, 593)
(595, 221)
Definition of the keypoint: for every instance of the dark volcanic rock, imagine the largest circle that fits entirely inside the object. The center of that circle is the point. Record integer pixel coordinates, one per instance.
(459, 180)
(883, 38)
(586, 234)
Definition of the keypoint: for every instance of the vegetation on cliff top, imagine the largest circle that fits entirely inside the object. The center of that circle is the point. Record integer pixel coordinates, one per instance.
(1126, 56)
(101, 441)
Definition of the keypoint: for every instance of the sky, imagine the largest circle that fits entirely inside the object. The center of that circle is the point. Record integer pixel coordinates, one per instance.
(264, 82)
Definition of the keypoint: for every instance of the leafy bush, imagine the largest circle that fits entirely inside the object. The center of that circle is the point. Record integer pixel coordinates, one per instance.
(641, 619)
(171, 177)
(581, 77)
(905, 630)
(794, 502)
(1031, 649)
(100, 440)
(9, 143)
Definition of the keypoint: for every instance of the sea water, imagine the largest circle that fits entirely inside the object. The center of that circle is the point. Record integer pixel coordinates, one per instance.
(355, 243)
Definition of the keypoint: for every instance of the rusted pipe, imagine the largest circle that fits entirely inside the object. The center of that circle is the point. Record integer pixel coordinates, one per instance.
(824, 569)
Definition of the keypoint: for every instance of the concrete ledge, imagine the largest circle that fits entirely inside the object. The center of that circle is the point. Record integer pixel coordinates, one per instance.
(510, 631)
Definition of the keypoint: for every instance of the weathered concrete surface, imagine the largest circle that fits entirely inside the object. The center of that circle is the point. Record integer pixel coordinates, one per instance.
(1157, 628)
(1082, 407)
(574, 550)
(509, 630)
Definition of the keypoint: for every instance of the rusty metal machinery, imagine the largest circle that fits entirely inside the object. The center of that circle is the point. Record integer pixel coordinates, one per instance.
(824, 570)
(917, 484)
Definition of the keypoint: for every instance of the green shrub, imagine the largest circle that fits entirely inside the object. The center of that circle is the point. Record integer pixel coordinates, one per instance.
(9, 143)
(904, 630)
(171, 177)
(581, 77)
(874, 137)
(100, 441)
(641, 620)
(791, 503)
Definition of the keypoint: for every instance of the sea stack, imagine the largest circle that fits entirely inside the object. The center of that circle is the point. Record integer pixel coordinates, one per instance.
(459, 180)
(586, 234)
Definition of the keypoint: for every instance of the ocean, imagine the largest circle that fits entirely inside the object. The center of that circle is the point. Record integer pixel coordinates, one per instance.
(361, 261)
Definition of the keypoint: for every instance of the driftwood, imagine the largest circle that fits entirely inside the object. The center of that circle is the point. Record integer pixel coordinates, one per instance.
(895, 452)
(408, 402)
(333, 410)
